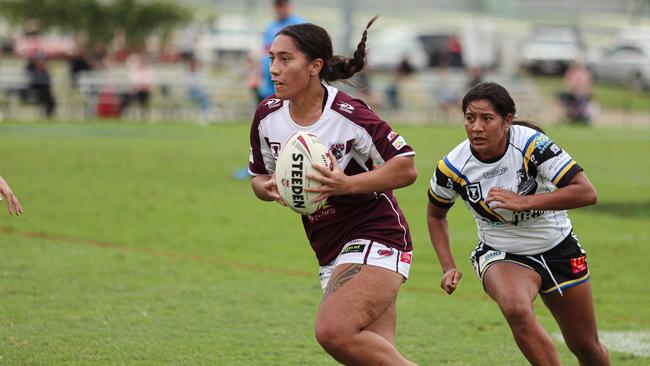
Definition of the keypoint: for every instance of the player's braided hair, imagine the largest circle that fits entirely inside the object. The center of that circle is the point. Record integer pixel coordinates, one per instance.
(315, 43)
(341, 67)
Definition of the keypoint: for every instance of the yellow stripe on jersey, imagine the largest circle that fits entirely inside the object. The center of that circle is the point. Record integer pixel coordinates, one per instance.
(528, 153)
(438, 198)
(491, 212)
(561, 174)
(447, 170)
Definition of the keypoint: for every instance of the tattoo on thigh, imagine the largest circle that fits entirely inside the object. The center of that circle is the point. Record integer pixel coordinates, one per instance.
(337, 282)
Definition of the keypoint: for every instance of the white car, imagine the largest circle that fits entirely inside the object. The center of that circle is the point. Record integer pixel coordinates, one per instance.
(421, 45)
(551, 49)
(628, 64)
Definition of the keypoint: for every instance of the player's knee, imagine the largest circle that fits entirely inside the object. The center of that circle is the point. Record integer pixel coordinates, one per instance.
(333, 337)
(589, 350)
(517, 313)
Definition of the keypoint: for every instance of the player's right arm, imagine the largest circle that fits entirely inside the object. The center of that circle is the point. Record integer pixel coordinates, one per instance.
(439, 235)
(442, 193)
(265, 188)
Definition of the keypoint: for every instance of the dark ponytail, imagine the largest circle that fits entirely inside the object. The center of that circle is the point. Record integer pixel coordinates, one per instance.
(315, 43)
(529, 124)
(341, 67)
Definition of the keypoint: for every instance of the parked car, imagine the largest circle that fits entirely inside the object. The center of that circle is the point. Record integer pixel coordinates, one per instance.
(627, 63)
(551, 49)
(422, 46)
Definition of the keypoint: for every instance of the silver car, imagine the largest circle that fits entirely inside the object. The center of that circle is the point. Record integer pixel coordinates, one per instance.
(626, 64)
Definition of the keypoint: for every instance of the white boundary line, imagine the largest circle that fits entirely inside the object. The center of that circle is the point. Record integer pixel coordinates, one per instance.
(633, 342)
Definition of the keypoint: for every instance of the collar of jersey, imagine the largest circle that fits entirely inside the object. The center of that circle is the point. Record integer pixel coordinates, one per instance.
(494, 159)
(330, 92)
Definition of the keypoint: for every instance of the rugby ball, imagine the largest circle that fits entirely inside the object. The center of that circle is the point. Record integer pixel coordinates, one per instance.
(293, 165)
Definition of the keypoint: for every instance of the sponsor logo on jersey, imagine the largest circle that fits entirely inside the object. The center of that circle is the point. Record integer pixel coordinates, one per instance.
(337, 149)
(399, 143)
(474, 193)
(495, 172)
(406, 257)
(275, 149)
(272, 103)
(542, 142)
(579, 264)
(353, 248)
(391, 135)
(385, 252)
(555, 149)
(345, 107)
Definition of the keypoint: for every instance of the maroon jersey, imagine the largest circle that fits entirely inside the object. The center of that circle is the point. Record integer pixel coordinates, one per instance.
(360, 141)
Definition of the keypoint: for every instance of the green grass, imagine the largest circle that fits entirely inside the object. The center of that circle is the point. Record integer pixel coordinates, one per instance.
(610, 97)
(138, 247)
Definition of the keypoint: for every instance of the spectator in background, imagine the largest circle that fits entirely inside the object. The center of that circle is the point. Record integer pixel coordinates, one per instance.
(282, 9)
(141, 78)
(78, 63)
(576, 95)
(12, 202)
(475, 77)
(444, 93)
(403, 70)
(40, 84)
(263, 85)
(197, 90)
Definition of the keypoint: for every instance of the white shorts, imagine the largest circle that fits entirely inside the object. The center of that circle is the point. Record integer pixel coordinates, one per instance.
(363, 251)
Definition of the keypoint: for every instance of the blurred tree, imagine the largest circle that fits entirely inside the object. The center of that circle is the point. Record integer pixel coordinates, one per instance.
(97, 20)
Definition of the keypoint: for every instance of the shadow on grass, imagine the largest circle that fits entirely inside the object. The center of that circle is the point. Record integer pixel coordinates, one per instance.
(620, 209)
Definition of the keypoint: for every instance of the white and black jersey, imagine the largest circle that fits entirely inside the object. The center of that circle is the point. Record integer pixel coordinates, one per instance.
(360, 141)
(532, 164)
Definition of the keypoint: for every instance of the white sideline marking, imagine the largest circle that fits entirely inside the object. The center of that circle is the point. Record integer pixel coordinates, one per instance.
(636, 343)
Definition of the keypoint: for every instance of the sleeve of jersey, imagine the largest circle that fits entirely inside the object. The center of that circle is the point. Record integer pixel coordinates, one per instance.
(441, 192)
(256, 163)
(552, 162)
(387, 142)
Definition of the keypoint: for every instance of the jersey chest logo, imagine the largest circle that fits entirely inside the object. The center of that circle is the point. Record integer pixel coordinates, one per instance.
(275, 149)
(474, 193)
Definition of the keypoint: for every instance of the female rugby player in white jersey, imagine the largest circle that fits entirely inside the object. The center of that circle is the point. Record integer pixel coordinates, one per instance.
(360, 236)
(518, 184)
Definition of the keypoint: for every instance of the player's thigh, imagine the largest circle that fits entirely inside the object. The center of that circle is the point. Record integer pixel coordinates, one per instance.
(574, 313)
(511, 285)
(357, 295)
(386, 324)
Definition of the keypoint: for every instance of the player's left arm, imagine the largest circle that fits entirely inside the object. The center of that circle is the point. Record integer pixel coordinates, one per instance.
(397, 172)
(12, 201)
(578, 192)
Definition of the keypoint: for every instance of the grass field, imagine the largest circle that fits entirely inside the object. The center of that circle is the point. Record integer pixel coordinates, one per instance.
(138, 247)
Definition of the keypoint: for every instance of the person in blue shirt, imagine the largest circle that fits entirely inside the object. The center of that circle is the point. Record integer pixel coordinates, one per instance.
(284, 17)
(262, 84)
